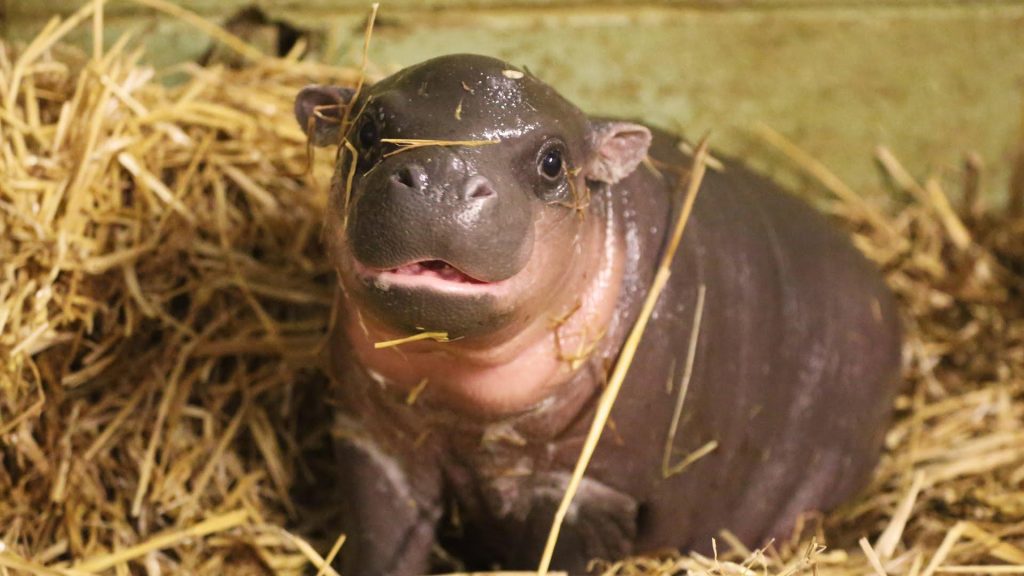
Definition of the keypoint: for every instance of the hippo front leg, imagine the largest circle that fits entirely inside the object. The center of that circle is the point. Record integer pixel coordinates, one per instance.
(389, 523)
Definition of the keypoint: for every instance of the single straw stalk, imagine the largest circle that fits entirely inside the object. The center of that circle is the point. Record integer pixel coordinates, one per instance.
(407, 144)
(618, 376)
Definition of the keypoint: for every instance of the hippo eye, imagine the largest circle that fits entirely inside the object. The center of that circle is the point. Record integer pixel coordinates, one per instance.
(551, 164)
(369, 135)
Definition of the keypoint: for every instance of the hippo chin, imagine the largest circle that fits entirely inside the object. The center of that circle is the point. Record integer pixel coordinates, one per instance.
(530, 234)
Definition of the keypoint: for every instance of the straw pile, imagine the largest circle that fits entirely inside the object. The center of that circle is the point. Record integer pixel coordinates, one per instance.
(163, 297)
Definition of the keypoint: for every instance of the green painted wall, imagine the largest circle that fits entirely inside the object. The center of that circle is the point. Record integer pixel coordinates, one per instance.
(932, 80)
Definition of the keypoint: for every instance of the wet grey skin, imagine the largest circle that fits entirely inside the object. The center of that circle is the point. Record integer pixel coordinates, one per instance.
(793, 372)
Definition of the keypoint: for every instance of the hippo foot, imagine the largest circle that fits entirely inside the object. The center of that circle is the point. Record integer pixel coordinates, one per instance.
(389, 529)
(601, 523)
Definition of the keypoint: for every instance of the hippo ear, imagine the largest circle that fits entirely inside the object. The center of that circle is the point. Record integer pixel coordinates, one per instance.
(618, 148)
(319, 110)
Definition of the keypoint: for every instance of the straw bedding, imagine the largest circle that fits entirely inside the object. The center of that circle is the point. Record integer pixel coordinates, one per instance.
(163, 298)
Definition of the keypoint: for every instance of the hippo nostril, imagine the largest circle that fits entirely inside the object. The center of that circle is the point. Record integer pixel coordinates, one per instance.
(482, 192)
(404, 177)
(479, 187)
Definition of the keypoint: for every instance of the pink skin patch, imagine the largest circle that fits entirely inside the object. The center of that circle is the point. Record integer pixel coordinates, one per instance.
(433, 274)
(437, 269)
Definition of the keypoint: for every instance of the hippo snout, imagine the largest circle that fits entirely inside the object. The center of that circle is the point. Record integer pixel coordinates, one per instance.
(424, 207)
(476, 189)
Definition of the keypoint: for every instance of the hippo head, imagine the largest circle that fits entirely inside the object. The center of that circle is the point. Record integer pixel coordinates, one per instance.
(460, 198)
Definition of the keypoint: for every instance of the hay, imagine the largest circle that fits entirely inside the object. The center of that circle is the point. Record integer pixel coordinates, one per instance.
(418, 337)
(407, 144)
(163, 296)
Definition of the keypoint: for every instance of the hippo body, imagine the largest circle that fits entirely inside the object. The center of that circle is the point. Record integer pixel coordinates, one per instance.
(792, 371)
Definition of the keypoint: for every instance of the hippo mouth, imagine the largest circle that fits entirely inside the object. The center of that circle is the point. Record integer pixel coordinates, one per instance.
(438, 269)
(431, 275)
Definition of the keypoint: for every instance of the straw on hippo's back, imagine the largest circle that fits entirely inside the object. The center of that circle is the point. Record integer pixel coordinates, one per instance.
(529, 233)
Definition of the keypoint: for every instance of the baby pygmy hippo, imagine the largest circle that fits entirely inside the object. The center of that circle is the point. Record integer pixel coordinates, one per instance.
(470, 198)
